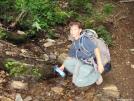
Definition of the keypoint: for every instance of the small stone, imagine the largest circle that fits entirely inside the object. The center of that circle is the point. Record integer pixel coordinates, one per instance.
(23, 51)
(50, 40)
(71, 38)
(128, 62)
(89, 95)
(45, 56)
(105, 99)
(132, 50)
(62, 57)
(132, 66)
(10, 53)
(20, 32)
(2, 98)
(96, 99)
(110, 87)
(28, 98)
(52, 56)
(18, 97)
(111, 90)
(48, 44)
(57, 89)
(19, 85)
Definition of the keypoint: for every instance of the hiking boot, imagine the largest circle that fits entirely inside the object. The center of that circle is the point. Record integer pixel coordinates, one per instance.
(99, 81)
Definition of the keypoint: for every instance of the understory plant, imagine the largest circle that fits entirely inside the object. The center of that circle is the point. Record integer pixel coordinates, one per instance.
(45, 14)
(14, 69)
(104, 34)
(36, 72)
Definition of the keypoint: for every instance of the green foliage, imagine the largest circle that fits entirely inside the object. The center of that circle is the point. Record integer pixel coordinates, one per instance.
(13, 68)
(2, 34)
(36, 72)
(44, 14)
(108, 8)
(104, 34)
(88, 23)
(16, 69)
(6, 6)
(81, 5)
(99, 15)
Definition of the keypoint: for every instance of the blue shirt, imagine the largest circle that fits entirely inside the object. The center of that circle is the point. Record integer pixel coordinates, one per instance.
(88, 45)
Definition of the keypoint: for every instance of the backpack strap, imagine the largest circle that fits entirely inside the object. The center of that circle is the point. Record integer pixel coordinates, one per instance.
(81, 47)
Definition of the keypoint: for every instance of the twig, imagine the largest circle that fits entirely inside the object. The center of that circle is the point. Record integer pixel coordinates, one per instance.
(17, 19)
(126, 1)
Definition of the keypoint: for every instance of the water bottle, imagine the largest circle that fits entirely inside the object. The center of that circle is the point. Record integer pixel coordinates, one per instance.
(59, 71)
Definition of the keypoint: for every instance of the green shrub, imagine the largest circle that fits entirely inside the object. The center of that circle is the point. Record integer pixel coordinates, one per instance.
(81, 5)
(104, 34)
(108, 8)
(44, 14)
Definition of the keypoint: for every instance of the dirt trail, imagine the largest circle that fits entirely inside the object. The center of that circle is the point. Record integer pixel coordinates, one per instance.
(122, 74)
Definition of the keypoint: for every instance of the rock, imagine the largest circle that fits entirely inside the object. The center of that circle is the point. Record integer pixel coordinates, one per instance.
(57, 89)
(20, 32)
(48, 44)
(10, 53)
(132, 66)
(128, 62)
(111, 87)
(1, 45)
(38, 71)
(19, 85)
(0, 25)
(71, 38)
(2, 98)
(45, 56)
(68, 46)
(56, 53)
(36, 100)
(79, 98)
(23, 51)
(96, 99)
(105, 99)
(132, 50)
(52, 56)
(28, 98)
(111, 90)
(62, 57)
(89, 95)
(18, 97)
(50, 40)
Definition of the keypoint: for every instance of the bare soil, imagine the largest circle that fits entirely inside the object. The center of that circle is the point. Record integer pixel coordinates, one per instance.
(120, 25)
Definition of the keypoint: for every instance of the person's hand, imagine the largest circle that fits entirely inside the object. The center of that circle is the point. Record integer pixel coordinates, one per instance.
(62, 68)
(100, 68)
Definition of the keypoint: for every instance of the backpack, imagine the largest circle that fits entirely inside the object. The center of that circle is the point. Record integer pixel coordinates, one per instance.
(101, 44)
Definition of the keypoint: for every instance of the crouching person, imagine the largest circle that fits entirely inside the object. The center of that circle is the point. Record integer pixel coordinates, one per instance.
(83, 67)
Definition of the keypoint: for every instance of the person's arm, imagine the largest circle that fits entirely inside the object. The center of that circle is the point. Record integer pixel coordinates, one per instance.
(98, 58)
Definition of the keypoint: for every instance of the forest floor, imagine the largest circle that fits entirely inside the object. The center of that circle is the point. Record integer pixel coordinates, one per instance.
(120, 25)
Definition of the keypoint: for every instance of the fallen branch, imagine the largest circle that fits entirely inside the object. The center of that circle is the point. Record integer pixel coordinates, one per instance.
(17, 19)
(126, 1)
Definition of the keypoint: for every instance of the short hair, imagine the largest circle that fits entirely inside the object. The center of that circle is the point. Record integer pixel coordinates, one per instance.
(79, 24)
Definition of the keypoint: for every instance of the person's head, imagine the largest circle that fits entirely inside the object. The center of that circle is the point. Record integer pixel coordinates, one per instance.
(75, 29)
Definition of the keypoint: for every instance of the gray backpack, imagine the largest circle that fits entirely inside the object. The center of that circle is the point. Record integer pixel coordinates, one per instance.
(99, 42)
